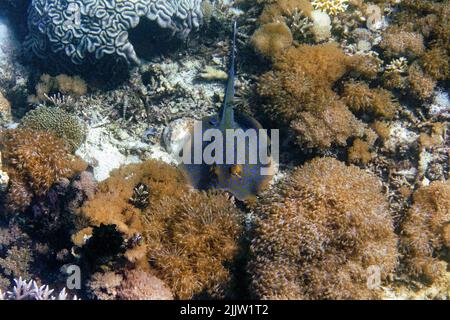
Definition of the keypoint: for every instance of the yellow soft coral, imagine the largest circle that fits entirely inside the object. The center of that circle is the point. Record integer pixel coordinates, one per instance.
(331, 7)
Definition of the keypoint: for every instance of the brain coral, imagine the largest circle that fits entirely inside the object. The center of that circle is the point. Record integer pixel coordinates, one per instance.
(80, 29)
(321, 234)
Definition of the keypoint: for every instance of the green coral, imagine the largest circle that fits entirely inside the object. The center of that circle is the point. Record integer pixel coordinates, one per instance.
(56, 120)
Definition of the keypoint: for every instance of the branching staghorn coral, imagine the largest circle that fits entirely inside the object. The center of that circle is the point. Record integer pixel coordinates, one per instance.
(331, 7)
(320, 233)
(29, 290)
(95, 28)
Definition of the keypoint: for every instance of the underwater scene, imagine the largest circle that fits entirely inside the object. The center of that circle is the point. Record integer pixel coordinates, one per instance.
(224, 150)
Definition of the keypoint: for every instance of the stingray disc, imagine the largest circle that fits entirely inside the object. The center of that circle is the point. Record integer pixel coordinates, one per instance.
(244, 178)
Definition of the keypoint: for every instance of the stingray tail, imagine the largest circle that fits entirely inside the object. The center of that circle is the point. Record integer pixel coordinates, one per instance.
(227, 111)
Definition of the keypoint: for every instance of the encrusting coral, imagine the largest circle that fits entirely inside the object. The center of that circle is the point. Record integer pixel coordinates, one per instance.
(320, 233)
(424, 232)
(56, 120)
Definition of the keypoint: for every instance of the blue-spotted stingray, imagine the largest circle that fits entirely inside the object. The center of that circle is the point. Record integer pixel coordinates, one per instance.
(243, 179)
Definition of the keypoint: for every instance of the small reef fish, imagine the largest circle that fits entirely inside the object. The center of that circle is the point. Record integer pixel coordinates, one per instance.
(243, 179)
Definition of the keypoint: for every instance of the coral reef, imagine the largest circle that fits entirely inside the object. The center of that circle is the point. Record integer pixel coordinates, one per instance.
(112, 204)
(82, 30)
(298, 93)
(358, 89)
(321, 27)
(320, 234)
(424, 233)
(191, 240)
(57, 121)
(420, 84)
(281, 10)
(294, 14)
(187, 236)
(34, 160)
